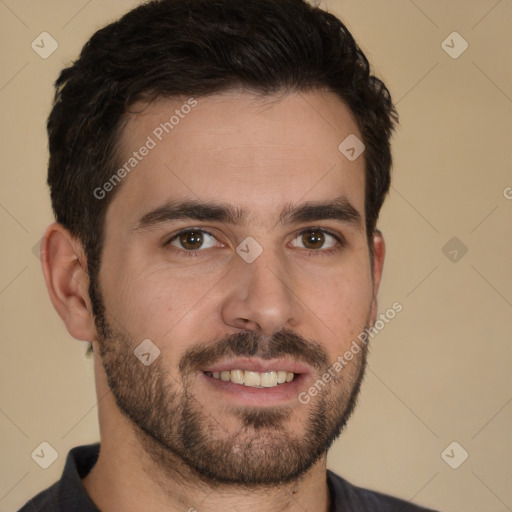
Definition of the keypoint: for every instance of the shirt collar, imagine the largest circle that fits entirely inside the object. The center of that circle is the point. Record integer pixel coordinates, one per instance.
(72, 494)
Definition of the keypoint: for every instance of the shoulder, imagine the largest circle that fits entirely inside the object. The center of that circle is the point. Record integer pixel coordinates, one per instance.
(45, 501)
(68, 494)
(353, 498)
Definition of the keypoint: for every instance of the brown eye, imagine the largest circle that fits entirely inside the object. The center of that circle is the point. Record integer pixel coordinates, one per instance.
(313, 239)
(191, 240)
(318, 240)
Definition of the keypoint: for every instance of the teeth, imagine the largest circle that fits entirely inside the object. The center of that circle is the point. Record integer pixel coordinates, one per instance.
(269, 379)
(237, 376)
(254, 379)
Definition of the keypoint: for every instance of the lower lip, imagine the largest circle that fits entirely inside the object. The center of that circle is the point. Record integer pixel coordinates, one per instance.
(246, 395)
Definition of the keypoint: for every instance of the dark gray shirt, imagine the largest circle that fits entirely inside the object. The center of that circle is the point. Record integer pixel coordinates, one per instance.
(69, 494)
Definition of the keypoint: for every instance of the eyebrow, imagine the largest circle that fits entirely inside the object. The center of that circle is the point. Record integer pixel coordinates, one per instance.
(338, 209)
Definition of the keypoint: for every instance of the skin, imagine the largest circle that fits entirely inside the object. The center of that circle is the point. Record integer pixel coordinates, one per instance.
(258, 154)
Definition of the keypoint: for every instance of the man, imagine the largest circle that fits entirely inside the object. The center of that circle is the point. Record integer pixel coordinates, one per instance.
(216, 172)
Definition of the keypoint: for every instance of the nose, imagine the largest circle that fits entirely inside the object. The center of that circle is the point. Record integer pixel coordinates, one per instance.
(260, 296)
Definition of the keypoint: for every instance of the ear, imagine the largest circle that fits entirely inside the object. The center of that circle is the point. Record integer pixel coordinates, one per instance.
(379, 251)
(64, 267)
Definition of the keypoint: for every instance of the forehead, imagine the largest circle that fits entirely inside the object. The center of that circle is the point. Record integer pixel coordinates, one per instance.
(257, 153)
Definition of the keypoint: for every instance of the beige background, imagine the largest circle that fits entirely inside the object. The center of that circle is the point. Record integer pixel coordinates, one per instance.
(439, 372)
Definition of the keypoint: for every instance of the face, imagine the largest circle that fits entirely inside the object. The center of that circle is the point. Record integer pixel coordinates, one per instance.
(237, 246)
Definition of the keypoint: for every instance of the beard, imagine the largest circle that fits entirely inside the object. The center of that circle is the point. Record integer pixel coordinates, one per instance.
(246, 447)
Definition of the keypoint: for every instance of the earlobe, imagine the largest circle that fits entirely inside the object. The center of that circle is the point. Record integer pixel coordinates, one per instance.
(65, 272)
(379, 252)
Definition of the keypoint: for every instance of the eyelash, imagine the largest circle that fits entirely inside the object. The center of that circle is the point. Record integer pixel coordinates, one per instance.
(309, 252)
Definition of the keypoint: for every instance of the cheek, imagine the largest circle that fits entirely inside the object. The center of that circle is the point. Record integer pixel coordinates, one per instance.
(345, 304)
(134, 298)
(159, 304)
(341, 300)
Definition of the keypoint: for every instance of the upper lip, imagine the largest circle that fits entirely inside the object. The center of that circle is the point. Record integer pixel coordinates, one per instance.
(258, 365)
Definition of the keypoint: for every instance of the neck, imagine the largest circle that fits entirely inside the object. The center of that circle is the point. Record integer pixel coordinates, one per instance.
(127, 477)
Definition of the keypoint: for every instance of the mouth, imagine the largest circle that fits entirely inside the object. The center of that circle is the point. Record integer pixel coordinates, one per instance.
(252, 381)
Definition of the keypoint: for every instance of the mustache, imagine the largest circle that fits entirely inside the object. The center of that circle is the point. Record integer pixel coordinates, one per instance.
(253, 344)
